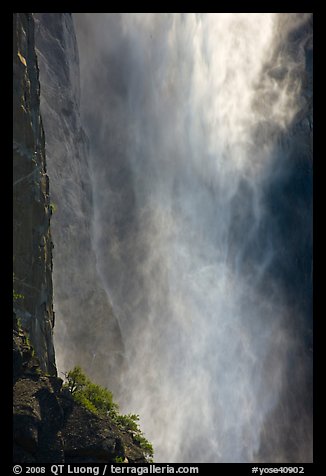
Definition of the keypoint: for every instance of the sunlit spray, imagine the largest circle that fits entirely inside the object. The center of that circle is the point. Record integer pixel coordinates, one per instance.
(184, 114)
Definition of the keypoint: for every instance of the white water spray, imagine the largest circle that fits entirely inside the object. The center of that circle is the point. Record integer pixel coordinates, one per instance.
(184, 114)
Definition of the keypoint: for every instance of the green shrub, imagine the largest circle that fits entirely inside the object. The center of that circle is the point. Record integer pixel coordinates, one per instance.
(28, 343)
(16, 296)
(101, 398)
(76, 380)
(80, 398)
(144, 444)
(99, 401)
(19, 323)
(127, 422)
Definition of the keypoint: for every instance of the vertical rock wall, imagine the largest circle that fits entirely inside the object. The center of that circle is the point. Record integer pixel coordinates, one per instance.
(87, 332)
(32, 245)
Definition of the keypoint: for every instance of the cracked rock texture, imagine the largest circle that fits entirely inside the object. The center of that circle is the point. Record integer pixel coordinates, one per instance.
(85, 319)
(32, 244)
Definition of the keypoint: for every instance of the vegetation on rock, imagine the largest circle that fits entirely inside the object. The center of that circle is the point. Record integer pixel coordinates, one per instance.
(99, 401)
(53, 207)
(16, 296)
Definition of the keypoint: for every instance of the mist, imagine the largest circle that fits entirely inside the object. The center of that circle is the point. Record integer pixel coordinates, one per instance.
(200, 160)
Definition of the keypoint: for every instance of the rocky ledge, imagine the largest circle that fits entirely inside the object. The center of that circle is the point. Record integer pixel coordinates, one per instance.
(50, 427)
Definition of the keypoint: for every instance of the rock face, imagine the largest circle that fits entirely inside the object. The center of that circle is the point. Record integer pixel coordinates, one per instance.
(85, 318)
(49, 427)
(32, 245)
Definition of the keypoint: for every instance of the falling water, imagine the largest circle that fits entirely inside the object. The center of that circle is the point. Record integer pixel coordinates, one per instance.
(191, 120)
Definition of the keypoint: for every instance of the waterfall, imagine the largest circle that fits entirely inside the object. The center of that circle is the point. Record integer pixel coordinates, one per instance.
(200, 158)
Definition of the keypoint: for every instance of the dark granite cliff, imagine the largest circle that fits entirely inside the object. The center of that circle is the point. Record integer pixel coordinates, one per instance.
(48, 425)
(77, 289)
(32, 245)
